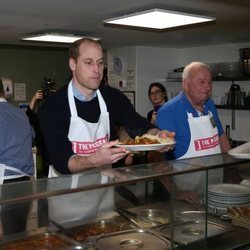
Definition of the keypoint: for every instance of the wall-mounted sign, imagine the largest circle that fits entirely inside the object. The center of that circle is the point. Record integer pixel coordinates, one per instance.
(20, 91)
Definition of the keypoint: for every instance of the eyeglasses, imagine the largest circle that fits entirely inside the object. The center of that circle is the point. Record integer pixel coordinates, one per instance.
(157, 92)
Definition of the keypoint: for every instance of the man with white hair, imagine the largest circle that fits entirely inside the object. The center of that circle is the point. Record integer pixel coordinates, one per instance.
(192, 115)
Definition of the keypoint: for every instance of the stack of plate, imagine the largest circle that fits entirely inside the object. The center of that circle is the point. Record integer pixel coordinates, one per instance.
(222, 196)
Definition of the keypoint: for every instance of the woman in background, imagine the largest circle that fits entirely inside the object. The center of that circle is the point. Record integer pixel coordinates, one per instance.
(158, 96)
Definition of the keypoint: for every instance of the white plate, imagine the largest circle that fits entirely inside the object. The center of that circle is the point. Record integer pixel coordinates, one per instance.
(243, 151)
(226, 204)
(229, 189)
(145, 147)
(245, 182)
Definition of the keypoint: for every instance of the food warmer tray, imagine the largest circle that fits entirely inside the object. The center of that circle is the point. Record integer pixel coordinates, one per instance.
(41, 241)
(100, 227)
(142, 239)
(190, 231)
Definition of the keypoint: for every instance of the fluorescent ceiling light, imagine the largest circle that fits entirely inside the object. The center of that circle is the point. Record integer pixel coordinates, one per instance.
(158, 19)
(54, 37)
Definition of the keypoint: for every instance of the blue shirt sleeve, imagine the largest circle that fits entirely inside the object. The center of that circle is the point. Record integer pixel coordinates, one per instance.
(173, 117)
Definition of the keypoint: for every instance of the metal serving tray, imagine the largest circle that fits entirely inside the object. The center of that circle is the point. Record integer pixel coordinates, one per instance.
(190, 231)
(142, 239)
(82, 232)
(43, 241)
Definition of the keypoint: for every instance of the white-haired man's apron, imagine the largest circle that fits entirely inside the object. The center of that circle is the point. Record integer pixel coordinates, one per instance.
(204, 140)
(86, 138)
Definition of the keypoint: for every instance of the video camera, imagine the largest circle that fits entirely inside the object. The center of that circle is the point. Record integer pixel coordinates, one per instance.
(47, 87)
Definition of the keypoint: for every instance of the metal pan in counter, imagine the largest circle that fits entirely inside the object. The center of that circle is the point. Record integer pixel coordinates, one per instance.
(132, 239)
(48, 241)
(191, 231)
(157, 215)
(147, 218)
(82, 232)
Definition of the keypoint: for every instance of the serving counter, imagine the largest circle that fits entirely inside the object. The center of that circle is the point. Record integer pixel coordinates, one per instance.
(181, 225)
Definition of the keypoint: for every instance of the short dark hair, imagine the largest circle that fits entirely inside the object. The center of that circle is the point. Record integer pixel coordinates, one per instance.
(74, 48)
(160, 86)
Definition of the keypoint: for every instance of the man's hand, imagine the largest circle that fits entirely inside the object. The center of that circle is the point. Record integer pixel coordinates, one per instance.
(167, 134)
(107, 154)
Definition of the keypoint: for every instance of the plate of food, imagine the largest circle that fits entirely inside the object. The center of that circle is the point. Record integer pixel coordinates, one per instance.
(146, 143)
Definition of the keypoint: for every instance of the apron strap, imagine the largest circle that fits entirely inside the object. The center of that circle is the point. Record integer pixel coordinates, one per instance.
(72, 105)
(102, 104)
(19, 172)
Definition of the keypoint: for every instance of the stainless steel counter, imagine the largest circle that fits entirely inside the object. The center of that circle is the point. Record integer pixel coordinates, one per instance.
(237, 239)
(232, 238)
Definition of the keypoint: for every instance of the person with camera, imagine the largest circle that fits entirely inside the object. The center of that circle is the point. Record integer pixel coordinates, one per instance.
(32, 115)
(34, 104)
(31, 112)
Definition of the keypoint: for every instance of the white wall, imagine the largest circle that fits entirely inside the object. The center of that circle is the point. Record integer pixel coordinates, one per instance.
(153, 64)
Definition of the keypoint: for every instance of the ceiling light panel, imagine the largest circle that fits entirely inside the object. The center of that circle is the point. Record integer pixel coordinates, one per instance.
(53, 37)
(159, 19)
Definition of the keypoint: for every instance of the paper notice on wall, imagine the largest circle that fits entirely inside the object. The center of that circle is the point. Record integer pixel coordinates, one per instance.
(130, 79)
(20, 91)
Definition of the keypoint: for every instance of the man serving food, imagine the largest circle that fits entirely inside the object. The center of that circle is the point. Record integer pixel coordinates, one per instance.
(79, 127)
